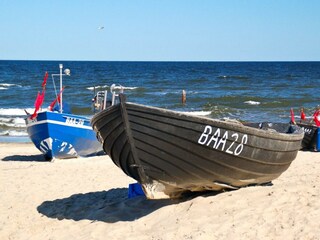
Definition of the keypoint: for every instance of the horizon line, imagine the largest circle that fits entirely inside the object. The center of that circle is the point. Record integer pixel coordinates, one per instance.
(38, 60)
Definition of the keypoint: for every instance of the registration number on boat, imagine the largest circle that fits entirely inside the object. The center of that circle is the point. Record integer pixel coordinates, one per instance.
(227, 142)
(307, 130)
(74, 121)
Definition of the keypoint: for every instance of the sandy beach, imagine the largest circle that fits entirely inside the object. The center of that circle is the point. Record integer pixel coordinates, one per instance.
(87, 198)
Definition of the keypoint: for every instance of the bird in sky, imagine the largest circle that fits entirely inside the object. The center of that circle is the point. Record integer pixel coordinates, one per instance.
(100, 28)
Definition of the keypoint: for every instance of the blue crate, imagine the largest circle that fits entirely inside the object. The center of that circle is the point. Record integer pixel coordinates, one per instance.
(135, 190)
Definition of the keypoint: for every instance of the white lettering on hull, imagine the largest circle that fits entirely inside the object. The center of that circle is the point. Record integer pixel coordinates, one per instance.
(74, 121)
(226, 143)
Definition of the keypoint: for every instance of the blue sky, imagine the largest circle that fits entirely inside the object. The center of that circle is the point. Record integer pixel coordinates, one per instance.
(160, 30)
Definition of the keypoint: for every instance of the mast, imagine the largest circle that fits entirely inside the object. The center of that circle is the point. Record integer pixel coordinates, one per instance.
(60, 66)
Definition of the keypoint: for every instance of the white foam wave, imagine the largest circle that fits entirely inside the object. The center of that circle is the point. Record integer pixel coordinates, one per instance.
(4, 133)
(3, 88)
(198, 113)
(106, 86)
(252, 102)
(297, 117)
(13, 133)
(17, 133)
(13, 122)
(15, 111)
(125, 88)
(97, 87)
(6, 85)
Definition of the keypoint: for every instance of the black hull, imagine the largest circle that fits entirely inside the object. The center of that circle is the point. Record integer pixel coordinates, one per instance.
(310, 135)
(169, 152)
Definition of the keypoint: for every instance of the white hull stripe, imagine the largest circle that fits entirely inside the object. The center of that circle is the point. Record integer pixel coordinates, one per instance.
(30, 124)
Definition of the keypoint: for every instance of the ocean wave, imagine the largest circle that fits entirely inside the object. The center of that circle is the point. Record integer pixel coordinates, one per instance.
(97, 87)
(240, 77)
(14, 133)
(297, 117)
(127, 88)
(15, 111)
(106, 87)
(3, 88)
(199, 113)
(250, 102)
(6, 85)
(13, 122)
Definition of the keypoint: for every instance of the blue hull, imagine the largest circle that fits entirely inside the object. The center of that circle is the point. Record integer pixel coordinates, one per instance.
(59, 135)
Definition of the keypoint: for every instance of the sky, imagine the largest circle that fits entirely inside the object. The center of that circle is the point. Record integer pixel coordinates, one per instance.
(160, 30)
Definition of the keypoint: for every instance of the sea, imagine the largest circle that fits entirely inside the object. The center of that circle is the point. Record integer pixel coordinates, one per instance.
(245, 91)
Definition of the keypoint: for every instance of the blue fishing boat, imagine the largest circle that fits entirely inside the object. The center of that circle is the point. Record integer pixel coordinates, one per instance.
(56, 132)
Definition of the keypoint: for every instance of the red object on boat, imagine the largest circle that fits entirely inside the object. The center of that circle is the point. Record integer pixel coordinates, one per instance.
(302, 115)
(56, 100)
(46, 75)
(292, 115)
(38, 103)
(40, 96)
(316, 117)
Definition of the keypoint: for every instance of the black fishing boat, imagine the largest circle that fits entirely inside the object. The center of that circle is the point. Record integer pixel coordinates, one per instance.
(169, 152)
(309, 126)
(310, 135)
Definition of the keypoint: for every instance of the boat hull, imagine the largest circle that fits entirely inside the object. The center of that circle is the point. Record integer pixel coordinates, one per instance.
(170, 152)
(59, 135)
(310, 135)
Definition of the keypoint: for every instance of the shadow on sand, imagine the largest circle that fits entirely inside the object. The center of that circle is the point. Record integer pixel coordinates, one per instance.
(26, 158)
(111, 206)
(38, 157)
(106, 206)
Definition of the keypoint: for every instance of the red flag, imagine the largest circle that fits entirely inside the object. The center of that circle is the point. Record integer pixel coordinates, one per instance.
(45, 80)
(316, 117)
(40, 96)
(292, 116)
(35, 102)
(302, 115)
(40, 100)
(38, 103)
(56, 100)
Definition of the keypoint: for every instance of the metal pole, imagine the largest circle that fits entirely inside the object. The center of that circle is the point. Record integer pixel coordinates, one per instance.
(105, 99)
(60, 66)
(94, 99)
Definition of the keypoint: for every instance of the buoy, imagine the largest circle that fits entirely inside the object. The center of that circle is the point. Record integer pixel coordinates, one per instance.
(184, 97)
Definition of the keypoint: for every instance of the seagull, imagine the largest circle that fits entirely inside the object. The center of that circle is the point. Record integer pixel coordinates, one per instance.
(100, 28)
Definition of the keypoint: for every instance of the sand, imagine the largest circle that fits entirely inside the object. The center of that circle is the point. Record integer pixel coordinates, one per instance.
(86, 198)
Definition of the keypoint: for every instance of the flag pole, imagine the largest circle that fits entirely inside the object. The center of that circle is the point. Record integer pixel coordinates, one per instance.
(60, 66)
